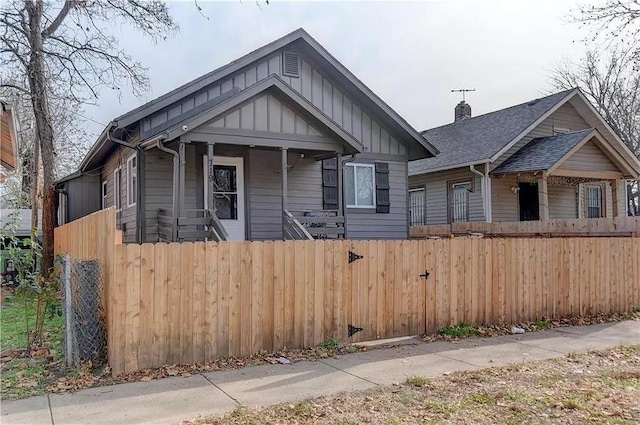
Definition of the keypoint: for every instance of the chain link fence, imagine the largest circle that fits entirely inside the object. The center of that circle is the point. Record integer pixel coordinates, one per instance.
(85, 330)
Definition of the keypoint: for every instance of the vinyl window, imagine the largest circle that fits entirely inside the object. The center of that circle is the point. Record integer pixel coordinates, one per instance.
(460, 202)
(132, 177)
(104, 194)
(594, 202)
(117, 188)
(359, 183)
(417, 207)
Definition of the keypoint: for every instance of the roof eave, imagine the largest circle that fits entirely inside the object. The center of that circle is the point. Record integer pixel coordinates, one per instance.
(450, 167)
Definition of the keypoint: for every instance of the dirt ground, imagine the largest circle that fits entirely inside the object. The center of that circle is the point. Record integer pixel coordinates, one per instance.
(599, 387)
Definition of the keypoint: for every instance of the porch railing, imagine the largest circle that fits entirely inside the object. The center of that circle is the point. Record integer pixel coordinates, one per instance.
(292, 229)
(591, 227)
(321, 224)
(197, 225)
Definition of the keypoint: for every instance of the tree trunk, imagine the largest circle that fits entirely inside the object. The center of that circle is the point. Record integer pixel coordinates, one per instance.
(44, 131)
(35, 189)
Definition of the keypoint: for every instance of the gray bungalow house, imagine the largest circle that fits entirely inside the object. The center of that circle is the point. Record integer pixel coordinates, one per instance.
(549, 158)
(283, 143)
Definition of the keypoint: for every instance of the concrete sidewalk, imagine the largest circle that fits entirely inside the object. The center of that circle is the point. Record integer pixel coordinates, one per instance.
(172, 400)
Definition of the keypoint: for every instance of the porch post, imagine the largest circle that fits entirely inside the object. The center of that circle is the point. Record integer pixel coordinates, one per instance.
(543, 198)
(285, 168)
(211, 206)
(182, 164)
(614, 197)
(339, 165)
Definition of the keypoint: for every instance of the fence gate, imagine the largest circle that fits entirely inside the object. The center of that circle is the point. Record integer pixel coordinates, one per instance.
(388, 290)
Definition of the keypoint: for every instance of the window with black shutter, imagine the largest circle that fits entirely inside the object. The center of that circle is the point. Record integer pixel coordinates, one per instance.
(382, 187)
(330, 184)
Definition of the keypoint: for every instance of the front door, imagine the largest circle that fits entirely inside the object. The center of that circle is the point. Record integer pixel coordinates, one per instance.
(529, 206)
(228, 183)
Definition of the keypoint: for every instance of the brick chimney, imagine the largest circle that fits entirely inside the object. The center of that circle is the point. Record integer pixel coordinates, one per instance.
(462, 111)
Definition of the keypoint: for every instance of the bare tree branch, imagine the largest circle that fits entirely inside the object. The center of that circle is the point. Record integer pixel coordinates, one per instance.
(15, 87)
(68, 4)
(608, 79)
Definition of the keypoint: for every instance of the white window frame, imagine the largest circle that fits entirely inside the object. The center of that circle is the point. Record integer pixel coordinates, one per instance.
(601, 200)
(103, 193)
(373, 175)
(117, 189)
(131, 202)
(422, 189)
(468, 201)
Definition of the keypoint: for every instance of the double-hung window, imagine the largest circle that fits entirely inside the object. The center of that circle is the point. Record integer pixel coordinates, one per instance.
(459, 201)
(104, 194)
(594, 202)
(117, 188)
(417, 207)
(132, 177)
(360, 191)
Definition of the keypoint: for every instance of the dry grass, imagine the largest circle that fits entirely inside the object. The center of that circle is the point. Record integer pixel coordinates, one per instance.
(598, 387)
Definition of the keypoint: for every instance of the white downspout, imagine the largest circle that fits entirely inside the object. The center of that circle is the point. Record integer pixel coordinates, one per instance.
(487, 186)
(482, 188)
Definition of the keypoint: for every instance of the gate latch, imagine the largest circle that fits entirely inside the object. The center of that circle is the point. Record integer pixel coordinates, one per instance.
(353, 256)
(425, 274)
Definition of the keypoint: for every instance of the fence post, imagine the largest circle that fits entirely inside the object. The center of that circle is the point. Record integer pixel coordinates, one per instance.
(68, 343)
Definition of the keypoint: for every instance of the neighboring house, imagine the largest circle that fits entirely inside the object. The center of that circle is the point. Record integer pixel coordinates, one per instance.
(252, 150)
(550, 158)
(15, 223)
(8, 139)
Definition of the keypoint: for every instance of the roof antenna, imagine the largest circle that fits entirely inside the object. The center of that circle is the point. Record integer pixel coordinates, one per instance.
(463, 91)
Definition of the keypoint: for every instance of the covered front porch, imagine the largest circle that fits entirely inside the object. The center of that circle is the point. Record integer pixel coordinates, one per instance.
(231, 192)
(260, 165)
(568, 176)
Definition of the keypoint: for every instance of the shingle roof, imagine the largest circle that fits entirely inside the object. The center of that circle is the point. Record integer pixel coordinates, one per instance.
(477, 139)
(542, 153)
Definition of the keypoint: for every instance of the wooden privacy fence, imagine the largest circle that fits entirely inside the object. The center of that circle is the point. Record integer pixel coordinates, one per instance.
(191, 302)
(610, 226)
(92, 237)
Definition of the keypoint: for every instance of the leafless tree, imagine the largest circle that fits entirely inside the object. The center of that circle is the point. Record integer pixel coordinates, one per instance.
(613, 21)
(608, 79)
(54, 47)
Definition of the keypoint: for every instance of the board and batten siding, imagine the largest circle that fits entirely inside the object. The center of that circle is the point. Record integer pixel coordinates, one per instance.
(565, 117)
(312, 84)
(126, 217)
(589, 157)
(265, 113)
(436, 186)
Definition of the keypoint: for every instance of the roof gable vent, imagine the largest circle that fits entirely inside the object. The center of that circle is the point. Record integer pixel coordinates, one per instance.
(290, 64)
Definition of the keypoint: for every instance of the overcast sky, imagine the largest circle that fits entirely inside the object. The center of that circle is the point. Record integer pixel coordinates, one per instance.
(411, 54)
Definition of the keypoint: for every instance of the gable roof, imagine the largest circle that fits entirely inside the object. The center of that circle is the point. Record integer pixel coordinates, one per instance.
(478, 139)
(388, 116)
(543, 153)
(274, 83)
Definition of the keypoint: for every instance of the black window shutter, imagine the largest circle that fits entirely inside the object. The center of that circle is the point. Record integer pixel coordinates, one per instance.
(382, 187)
(330, 184)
